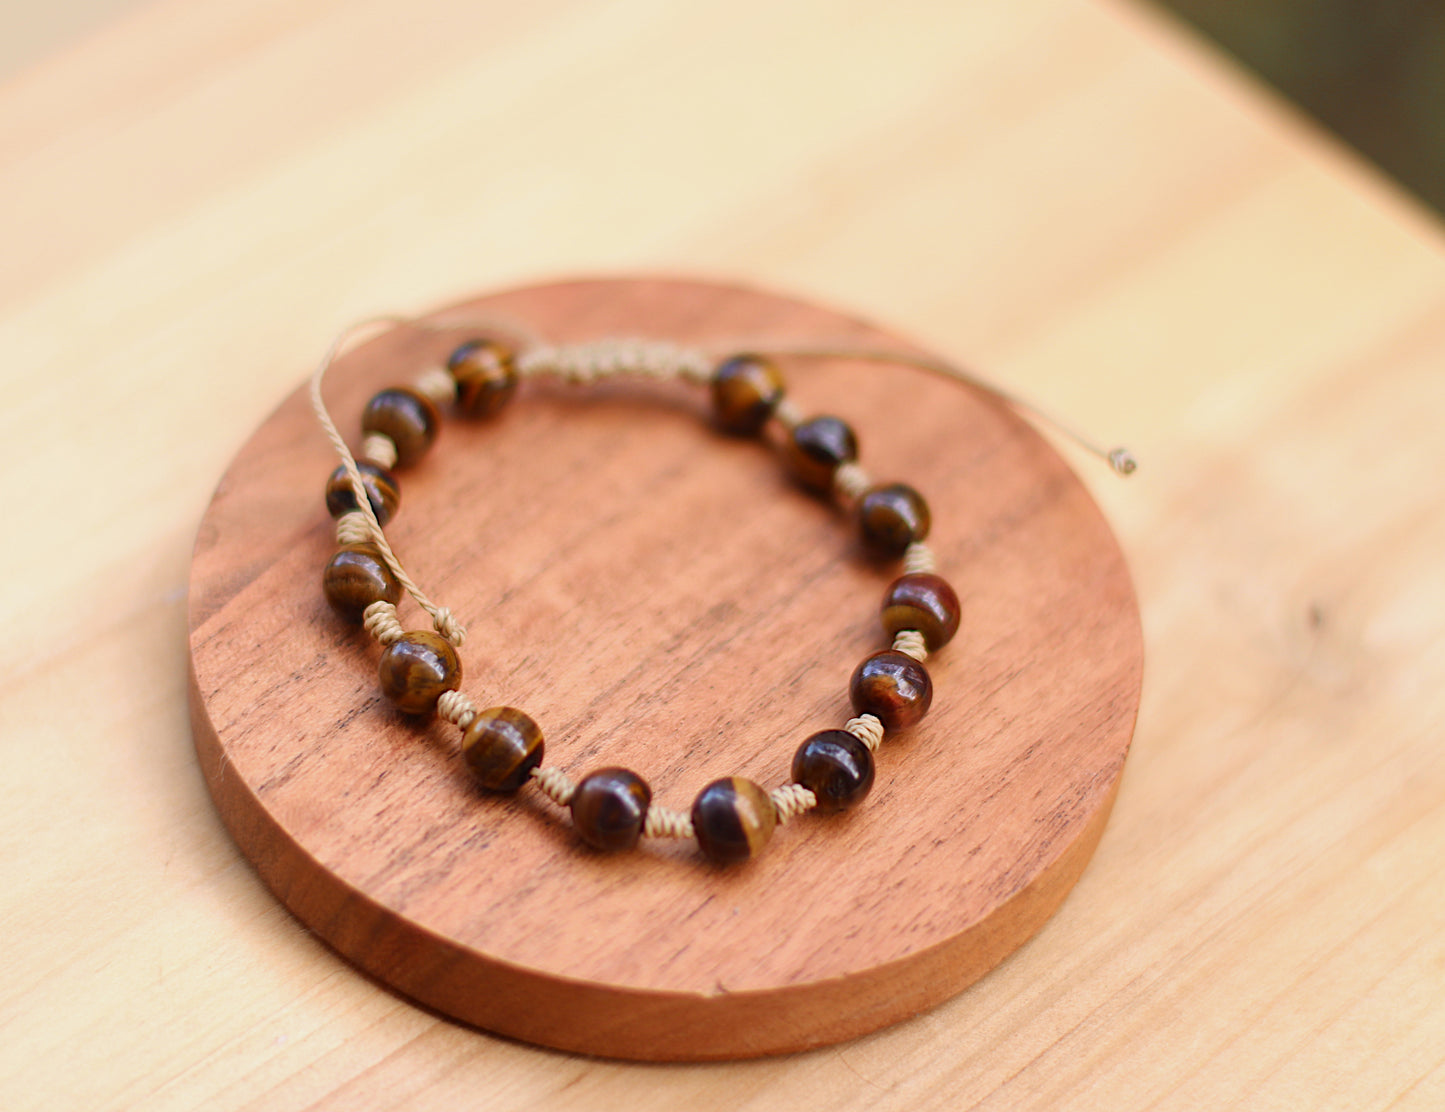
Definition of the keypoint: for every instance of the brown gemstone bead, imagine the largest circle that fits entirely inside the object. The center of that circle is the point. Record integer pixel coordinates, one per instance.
(893, 687)
(924, 602)
(381, 491)
(485, 376)
(501, 746)
(892, 517)
(416, 669)
(817, 447)
(356, 577)
(408, 417)
(745, 391)
(836, 767)
(609, 808)
(733, 819)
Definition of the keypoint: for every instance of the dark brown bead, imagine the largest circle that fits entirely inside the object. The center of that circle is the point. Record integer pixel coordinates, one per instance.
(416, 669)
(485, 376)
(381, 491)
(924, 602)
(817, 447)
(356, 577)
(892, 517)
(408, 417)
(893, 687)
(745, 391)
(609, 808)
(836, 767)
(733, 819)
(501, 746)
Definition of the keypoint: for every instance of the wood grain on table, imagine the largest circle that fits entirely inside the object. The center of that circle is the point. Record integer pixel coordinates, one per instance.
(1070, 195)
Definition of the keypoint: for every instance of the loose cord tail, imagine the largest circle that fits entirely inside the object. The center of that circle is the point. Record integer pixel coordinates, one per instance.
(443, 620)
(1119, 458)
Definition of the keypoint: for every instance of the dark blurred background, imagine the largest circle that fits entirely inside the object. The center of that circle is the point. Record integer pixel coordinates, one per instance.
(1372, 71)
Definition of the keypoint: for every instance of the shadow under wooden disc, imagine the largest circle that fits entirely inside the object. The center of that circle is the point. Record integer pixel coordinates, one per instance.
(659, 596)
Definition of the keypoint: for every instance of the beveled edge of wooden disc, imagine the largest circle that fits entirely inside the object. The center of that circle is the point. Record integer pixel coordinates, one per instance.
(616, 1021)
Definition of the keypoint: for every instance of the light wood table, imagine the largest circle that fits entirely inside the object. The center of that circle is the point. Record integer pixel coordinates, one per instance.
(1071, 195)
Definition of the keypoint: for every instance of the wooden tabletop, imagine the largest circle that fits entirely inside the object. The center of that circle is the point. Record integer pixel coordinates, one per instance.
(1072, 195)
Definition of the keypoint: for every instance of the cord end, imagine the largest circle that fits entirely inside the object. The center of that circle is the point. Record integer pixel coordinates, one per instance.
(1123, 462)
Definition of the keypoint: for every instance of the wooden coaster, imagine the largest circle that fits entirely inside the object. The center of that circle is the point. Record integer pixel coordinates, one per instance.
(659, 596)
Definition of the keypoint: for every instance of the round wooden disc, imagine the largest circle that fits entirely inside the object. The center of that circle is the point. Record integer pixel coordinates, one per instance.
(659, 596)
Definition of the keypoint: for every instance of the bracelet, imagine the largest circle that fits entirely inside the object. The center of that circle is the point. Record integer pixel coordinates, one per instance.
(611, 808)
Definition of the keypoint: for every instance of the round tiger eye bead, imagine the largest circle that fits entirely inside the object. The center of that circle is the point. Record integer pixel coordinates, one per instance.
(356, 577)
(836, 767)
(417, 668)
(381, 491)
(817, 447)
(485, 376)
(745, 391)
(924, 602)
(893, 687)
(892, 517)
(609, 808)
(733, 819)
(408, 417)
(501, 746)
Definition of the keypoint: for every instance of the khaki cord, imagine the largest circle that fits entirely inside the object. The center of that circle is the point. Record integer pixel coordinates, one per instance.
(664, 822)
(918, 558)
(457, 709)
(1120, 459)
(555, 784)
(791, 800)
(380, 620)
(867, 728)
(587, 362)
(380, 449)
(910, 642)
(850, 481)
(437, 384)
(352, 528)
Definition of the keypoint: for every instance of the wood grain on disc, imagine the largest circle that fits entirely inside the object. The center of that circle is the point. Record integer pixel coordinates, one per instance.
(661, 597)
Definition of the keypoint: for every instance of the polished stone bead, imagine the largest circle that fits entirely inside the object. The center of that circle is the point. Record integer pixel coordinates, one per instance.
(485, 376)
(892, 517)
(733, 819)
(609, 808)
(924, 602)
(381, 491)
(893, 687)
(817, 447)
(501, 746)
(836, 767)
(745, 391)
(416, 669)
(356, 577)
(408, 417)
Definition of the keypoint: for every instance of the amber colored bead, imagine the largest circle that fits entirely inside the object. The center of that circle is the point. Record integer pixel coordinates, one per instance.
(381, 491)
(609, 808)
(485, 376)
(817, 447)
(356, 577)
(892, 517)
(416, 669)
(893, 687)
(733, 819)
(501, 746)
(408, 417)
(836, 767)
(924, 602)
(745, 391)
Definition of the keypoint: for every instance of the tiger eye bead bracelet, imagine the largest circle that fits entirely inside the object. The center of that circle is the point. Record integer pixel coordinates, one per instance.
(420, 672)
